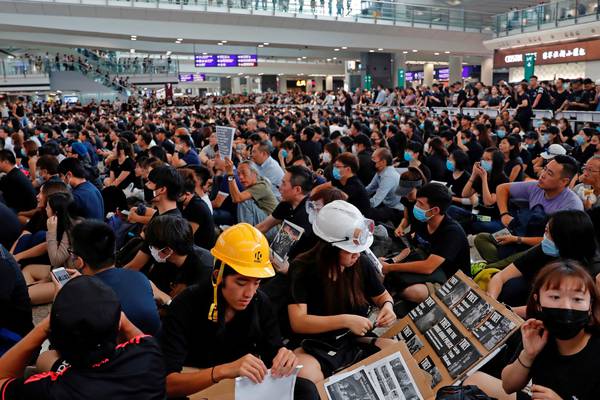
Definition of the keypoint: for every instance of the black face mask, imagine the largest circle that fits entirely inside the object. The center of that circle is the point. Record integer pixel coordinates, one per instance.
(564, 323)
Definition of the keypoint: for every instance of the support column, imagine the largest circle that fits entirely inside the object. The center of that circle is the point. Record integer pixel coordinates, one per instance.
(268, 83)
(329, 82)
(428, 74)
(236, 86)
(282, 85)
(347, 86)
(487, 71)
(455, 66)
(399, 61)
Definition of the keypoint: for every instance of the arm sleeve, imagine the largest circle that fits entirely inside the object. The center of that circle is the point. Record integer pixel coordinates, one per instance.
(521, 190)
(372, 284)
(447, 244)
(58, 252)
(173, 339)
(386, 185)
(298, 292)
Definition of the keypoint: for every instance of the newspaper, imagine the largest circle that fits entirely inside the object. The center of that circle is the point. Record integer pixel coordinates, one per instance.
(287, 236)
(225, 136)
(270, 388)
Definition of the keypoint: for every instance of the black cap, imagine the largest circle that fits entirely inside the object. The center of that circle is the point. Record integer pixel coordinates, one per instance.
(531, 135)
(85, 316)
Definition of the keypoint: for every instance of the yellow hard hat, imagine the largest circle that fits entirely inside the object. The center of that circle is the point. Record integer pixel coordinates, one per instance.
(245, 249)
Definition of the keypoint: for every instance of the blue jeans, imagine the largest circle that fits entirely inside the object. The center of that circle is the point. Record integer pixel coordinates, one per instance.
(223, 217)
(248, 211)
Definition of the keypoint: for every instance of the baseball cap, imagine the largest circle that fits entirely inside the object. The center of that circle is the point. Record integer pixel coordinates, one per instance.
(79, 148)
(553, 151)
(84, 317)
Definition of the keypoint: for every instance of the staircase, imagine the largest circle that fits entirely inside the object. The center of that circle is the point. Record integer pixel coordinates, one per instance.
(88, 85)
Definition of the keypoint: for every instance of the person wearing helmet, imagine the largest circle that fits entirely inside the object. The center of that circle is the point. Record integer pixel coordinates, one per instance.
(225, 326)
(332, 287)
(442, 247)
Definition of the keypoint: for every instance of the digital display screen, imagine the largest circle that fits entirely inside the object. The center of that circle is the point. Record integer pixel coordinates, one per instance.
(225, 60)
(192, 77)
(440, 74)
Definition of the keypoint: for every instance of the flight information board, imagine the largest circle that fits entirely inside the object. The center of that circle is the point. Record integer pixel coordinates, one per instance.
(225, 60)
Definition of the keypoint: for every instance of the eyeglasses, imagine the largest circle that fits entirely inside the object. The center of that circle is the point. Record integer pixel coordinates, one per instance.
(590, 170)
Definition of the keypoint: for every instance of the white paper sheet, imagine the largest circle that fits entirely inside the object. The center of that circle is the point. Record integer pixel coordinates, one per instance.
(270, 388)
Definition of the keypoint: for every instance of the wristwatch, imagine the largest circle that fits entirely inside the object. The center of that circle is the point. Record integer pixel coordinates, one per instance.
(230, 178)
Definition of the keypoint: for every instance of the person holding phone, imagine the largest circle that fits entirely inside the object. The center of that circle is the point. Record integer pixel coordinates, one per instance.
(560, 340)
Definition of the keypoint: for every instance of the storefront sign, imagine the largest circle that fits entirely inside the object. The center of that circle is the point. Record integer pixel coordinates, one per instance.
(551, 54)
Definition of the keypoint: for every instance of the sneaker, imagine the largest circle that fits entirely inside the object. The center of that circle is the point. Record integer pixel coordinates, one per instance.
(477, 267)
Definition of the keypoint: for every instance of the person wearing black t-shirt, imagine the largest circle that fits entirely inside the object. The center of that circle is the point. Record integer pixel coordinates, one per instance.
(523, 111)
(507, 101)
(345, 168)
(579, 99)
(177, 262)
(166, 185)
(16, 314)
(560, 95)
(560, 341)
(442, 241)
(457, 177)
(539, 96)
(16, 190)
(459, 96)
(228, 330)
(84, 326)
(196, 211)
(122, 168)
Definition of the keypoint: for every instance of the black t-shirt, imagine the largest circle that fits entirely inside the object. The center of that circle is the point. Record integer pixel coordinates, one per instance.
(572, 377)
(559, 98)
(194, 269)
(409, 205)
(475, 150)
(366, 169)
(448, 241)
(11, 227)
(457, 185)
(14, 297)
(189, 338)
(173, 212)
(437, 165)
(127, 166)
(507, 100)
(534, 259)
(135, 371)
(308, 286)
(17, 190)
(197, 211)
(459, 98)
(524, 111)
(508, 167)
(579, 96)
(357, 194)
(545, 103)
(298, 216)
(493, 183)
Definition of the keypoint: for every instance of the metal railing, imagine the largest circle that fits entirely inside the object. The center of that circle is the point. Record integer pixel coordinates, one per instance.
(367, 11)
(546, 16)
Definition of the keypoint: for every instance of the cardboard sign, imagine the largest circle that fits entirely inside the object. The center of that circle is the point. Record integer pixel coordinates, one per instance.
(225, 136)
(454, 330)
(392, 368)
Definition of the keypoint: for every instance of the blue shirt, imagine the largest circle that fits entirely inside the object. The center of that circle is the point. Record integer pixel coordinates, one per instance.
(88, 200)
(135, 294)
(271, 170)
(383, 188)
(191, 158)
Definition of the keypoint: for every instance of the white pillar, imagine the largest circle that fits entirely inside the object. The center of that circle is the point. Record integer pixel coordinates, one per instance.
(346, 77)
(428, 74)
(329, 82)
(236, 86)
(399, 62)
(257, 87)
(487, 71)
(455, 66)
(282, 84)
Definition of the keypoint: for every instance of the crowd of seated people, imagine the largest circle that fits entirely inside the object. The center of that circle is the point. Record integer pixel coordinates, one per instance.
(165, 238)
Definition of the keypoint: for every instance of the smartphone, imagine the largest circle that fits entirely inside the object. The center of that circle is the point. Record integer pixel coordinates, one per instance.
(61, 275)
(502, 232)
(125, 212)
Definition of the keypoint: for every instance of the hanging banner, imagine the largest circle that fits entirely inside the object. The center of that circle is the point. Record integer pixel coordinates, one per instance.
(401, 78)
(529, 65)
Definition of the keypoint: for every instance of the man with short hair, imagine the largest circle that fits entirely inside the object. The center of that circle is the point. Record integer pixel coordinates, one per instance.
(385, 202)
(93, 243)
(16, 190)
(257, 201)
(445, 243)
(362, 149)
(184, 146)
(87, 197)
(267, 166)
(84, 328)
(295, 188)
(225, 326)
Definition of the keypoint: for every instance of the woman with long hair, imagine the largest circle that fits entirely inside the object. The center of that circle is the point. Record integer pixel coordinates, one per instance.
(436, 159)
(560, 340)
(513, 164)
(122, 168)
(332, 289)
(60, 222)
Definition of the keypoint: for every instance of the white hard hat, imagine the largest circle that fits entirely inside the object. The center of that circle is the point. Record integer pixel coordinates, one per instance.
(343, 225)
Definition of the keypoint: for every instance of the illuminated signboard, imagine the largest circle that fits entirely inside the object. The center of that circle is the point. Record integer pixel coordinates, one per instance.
(225, 60)
(583, 50)
(440, 74)
(192, 77)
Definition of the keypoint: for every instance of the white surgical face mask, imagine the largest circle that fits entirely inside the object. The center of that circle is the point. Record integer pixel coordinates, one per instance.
(326, 157)
(156, 255)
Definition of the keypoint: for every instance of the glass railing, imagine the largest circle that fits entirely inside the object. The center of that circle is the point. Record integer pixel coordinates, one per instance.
(546, 16)
(370, 11)
(110, 63)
